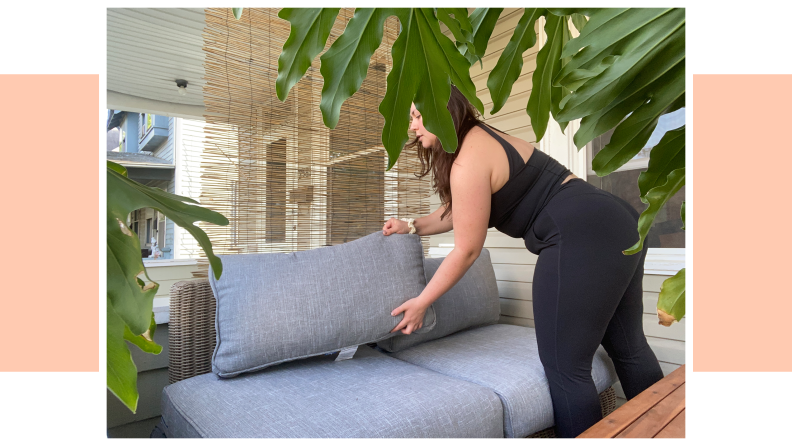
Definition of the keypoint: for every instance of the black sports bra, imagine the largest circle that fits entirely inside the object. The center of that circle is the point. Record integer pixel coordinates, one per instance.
(531, 184)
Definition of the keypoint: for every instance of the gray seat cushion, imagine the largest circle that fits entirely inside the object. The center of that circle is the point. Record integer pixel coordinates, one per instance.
(472, 302)
(278, 307)
(504, 358)
(369, 396)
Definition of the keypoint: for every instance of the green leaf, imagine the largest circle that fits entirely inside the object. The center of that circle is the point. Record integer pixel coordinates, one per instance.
(631, 135)
(605, 28)
(666, 68)
(452, 62)
(666, 156)
(560, 94)
(506, 71)
(579, 20)
(121, 370)
(459, 25)
(548, 64)
(425, 62)
(657, 197)
(345, 65)
(117, 167)
(638, 52)
(483, 21)
(569, 11)
(131, 301)
(671, 300)
(144, 341)
(682, 213)
(310, 28)
(237, 12)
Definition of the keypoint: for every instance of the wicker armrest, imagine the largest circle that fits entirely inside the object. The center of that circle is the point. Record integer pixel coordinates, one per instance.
(192, 329)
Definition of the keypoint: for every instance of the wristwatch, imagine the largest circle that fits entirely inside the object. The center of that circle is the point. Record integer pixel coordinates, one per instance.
(409, 224)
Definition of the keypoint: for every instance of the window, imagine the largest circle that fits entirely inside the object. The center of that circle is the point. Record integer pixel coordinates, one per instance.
(148, 231)
(149, 118)
(666, 230)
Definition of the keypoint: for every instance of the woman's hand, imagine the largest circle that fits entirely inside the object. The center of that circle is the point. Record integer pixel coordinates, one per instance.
(395, 226)
(414, 311)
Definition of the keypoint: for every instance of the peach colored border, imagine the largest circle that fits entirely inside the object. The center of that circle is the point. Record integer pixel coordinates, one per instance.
(50, 223)
(741, 150)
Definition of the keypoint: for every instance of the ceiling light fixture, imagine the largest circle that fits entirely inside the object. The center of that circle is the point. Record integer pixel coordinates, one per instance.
(182, 84)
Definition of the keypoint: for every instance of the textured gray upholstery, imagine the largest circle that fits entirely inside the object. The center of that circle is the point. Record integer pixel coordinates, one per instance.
(472, 302)
(278, 307)
(368, 396)
(505, 359)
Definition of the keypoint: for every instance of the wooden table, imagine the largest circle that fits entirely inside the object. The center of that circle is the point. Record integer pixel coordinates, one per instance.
(658, 412)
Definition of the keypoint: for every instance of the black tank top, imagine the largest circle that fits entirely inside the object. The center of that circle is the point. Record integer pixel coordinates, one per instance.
(529, 188)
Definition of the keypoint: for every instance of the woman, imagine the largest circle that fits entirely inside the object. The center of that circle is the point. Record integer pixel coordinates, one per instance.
(585, 291)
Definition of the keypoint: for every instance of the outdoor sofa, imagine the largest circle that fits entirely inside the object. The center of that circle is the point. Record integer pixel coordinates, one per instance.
(256, 353)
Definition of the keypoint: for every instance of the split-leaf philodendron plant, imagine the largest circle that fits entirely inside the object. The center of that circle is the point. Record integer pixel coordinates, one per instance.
(624, 70)
(129, 298)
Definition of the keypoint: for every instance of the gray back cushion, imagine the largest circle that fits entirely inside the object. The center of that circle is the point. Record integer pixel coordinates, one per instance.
(472, 302)
(278, 307)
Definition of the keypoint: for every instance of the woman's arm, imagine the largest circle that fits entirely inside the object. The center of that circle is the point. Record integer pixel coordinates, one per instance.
(431, 224)
(471, 194)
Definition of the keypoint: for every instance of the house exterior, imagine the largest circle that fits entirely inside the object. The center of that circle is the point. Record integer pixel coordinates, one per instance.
(179, 122)
(145, 147)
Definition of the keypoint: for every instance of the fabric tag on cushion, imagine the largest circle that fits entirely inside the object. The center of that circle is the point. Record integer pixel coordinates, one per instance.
(346, 353)
(278, 307)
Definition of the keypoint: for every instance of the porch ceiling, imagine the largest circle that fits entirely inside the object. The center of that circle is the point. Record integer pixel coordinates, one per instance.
(147, 50)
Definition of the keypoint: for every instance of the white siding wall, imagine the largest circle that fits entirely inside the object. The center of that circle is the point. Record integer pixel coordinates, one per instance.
(165, 151)
(513, 263)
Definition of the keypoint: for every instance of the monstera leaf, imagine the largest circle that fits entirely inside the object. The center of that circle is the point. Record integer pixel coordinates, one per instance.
(657, 197)
(548, 64)
(667, 156)
(625, 63)
(459, 25)
(129, 298)
(423, 78)
(501, 79)
(636, 52)
(346, 62)
(310, 28)
(579, 20)
(483, 21)
(237, 12)
(671, 300)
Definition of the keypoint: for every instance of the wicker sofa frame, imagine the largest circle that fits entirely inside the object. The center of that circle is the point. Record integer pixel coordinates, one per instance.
(192, 339)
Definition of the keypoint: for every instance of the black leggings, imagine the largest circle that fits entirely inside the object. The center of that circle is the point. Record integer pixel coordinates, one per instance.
(587, 293)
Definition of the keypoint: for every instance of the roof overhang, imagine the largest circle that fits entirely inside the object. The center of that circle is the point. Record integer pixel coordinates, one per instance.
(141, 167)
(147, 50)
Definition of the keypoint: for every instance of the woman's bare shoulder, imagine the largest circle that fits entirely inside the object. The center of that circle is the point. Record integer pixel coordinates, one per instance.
(476, 140)
(475, 151)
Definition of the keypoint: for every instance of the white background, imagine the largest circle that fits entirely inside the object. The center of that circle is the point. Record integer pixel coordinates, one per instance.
(69, 38)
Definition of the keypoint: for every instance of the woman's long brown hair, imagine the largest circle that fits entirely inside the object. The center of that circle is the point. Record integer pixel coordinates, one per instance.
(437, 160)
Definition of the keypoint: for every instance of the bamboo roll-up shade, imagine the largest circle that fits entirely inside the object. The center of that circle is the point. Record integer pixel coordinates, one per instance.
(285, 181)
